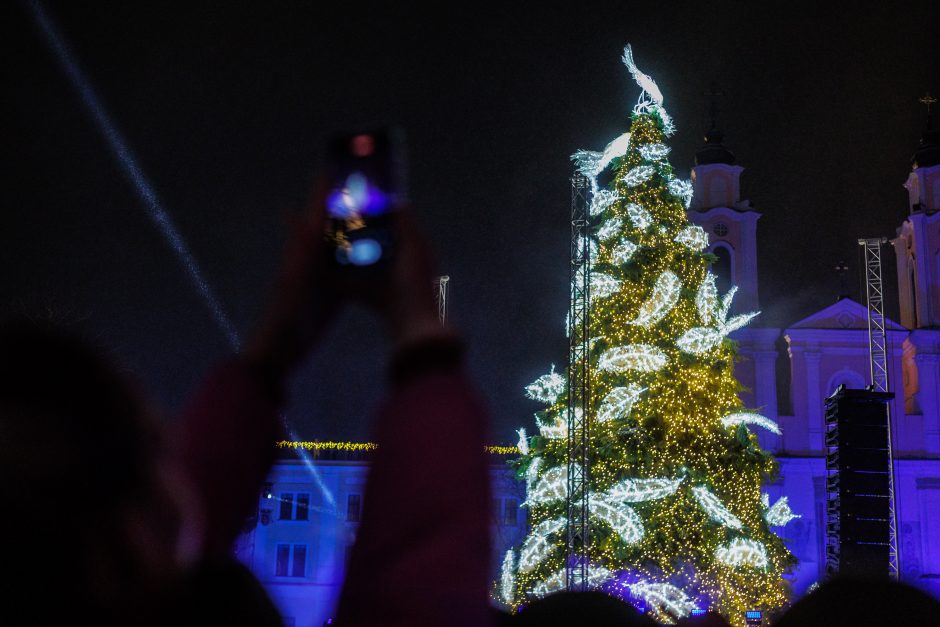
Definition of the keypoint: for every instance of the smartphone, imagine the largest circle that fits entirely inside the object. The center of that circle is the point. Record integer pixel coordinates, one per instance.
(366, 174)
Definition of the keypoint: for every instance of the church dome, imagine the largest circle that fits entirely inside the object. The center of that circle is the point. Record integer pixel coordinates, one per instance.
(714, 150)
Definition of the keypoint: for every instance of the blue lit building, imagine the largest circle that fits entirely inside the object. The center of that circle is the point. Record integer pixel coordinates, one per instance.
(308, 520)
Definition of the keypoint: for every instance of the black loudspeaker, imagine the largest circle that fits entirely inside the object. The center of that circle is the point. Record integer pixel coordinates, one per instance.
(858, 484)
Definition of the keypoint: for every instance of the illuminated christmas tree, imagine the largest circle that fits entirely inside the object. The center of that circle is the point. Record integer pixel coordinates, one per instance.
(677, 517)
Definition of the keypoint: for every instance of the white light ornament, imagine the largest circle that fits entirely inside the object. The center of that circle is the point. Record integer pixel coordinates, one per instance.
(706, 299)
(693, 237)
(553, 486)
(654, 152)
(603, 198)
(742, 552)
(537, 546)
(609, 229)
(622, 519)
(640, 490)
(507, 577)
(604, 285)
(750, 418)
(664, 297)
(780, 513)
(623, 251)
(663, 596)
(639, 216)
(636, 357)
(546, 388)
(549, 585)
(532, 473)
(557, 430)
(591, 163)
(682, 190)
(523, 443)
(700, 340)
(638, 175)
(715, 508)
(618, 403)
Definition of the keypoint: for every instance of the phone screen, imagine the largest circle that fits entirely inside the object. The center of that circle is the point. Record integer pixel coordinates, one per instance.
(364, 192)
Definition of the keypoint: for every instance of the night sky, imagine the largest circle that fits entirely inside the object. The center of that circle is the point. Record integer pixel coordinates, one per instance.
(228, 107)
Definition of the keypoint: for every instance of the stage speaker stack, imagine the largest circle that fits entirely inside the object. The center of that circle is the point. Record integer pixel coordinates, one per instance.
(857, 485)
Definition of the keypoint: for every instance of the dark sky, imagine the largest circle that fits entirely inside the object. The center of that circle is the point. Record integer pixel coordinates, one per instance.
(228, 106)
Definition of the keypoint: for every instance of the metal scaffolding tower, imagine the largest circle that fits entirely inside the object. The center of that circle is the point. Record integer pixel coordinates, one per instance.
(878, 352)
(576, 564)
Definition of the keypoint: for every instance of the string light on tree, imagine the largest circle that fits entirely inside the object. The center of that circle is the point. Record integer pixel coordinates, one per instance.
(609, 229)
(665, 597)
(537, 546)
(507, 577)
(623, 251)
(638, 357)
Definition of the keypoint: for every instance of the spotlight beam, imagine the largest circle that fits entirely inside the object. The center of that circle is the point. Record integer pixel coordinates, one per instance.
(129, 166)
(159, 216)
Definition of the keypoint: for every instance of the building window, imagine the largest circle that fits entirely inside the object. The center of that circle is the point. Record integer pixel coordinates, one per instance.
(720, 229)
(287, 506)
(353, 507)
(294, 506)
(283, 560)
(291, 560)
(300, 560)
(722, 269)
(303, 506)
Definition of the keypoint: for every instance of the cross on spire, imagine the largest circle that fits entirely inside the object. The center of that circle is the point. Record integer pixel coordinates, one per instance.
(928, 100)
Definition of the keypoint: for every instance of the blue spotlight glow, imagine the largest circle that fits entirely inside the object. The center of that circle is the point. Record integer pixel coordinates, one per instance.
(128, 164)
(148, 195)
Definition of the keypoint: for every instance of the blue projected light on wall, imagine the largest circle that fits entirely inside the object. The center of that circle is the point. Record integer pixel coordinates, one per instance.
(148, 196)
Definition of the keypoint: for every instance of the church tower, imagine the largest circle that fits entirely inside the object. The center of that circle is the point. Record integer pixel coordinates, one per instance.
(731, 225)
(730, 222)
(917, 245)
(917, 248)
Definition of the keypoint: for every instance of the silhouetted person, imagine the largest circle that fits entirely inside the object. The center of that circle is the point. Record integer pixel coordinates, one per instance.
(596, 609)
(863, 603)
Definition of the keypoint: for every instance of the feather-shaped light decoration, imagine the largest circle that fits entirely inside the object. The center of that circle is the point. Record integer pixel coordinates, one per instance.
(546, 388)
(779, 514)
(618, 403)
(622, 519)
(639, 490)
(715, 509)
(664, 297)
(537, 546)
(693, 237)
(750, 418)
(638, 357)
(665, 597)
(623, 251)
(638, 175)
(742, 552)
(639, 216)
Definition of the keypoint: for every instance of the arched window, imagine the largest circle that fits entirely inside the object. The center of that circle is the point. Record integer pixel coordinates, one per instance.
(849, 378)
(723, 268)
